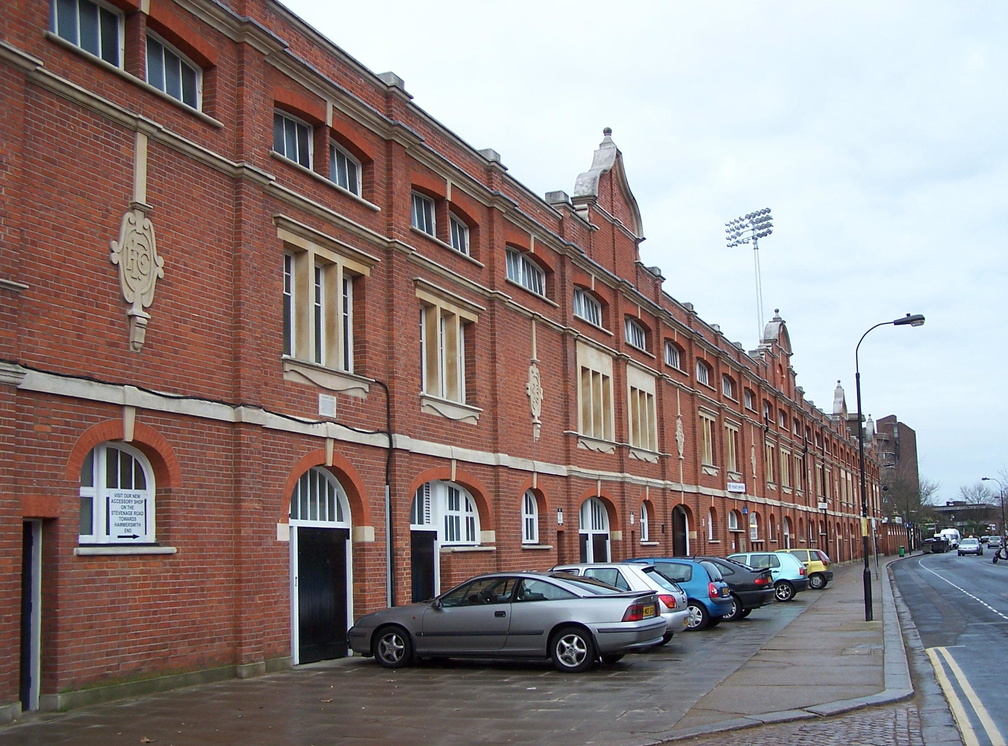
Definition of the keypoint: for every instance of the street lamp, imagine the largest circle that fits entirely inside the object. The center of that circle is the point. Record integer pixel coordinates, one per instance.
(751, 227)
(908, 320)
(1001, 494)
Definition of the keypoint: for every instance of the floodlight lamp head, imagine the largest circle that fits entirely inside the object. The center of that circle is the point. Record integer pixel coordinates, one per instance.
(916, 319)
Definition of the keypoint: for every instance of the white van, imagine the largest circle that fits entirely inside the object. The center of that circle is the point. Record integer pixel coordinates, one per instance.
(951, 535)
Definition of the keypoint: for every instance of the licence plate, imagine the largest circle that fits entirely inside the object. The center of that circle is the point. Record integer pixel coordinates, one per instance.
(649, 610)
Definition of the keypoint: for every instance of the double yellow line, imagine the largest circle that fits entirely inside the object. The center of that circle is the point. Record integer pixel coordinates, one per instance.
(943, 663)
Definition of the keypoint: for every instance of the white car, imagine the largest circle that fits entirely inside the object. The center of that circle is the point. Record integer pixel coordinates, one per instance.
(635, 576)
(970, 545)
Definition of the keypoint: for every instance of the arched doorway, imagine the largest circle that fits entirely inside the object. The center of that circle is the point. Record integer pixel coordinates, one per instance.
(680, 532)
(594, 531)
(320, 567)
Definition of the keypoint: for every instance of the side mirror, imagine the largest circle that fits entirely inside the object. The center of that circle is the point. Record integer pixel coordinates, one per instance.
(436, 604)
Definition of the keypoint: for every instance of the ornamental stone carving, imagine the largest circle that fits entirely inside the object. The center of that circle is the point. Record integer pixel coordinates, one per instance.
(140, 267)
(680, 436)
(534, 390)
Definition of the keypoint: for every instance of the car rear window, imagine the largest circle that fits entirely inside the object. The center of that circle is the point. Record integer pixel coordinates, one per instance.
(713, 570)
(674, 571)
(660, 579)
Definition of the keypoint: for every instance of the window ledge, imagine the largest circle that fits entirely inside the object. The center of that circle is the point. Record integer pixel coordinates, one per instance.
(650, 543)
(451, 410)
(442, 244)
(55, 38)
(536, 547)
(644, 455)
(457, 550)
(713, 541)
(710, 470)
(323, 180)
(108, 550)
(534, 294)
(595, 444)
(330, 379)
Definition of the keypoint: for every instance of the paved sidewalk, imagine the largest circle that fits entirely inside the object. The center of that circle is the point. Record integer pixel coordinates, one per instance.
(811, 659)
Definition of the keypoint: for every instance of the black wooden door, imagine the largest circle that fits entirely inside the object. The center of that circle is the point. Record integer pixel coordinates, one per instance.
(679, 543)
(27, 572)
(322, 593)
(422, 567)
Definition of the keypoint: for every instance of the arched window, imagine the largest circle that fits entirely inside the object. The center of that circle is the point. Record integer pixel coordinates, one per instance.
(733, 521)
(645, 522)
(116, 496)
(319, 499)
(754, 526)
(449, 509)
(712, 527)
(530, 518)
(703, 373)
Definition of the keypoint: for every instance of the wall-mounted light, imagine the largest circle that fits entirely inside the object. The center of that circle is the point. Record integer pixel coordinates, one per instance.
(559, 516)
(631, 518)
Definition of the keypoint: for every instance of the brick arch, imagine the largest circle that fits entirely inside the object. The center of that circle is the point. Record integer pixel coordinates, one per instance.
(474, 486)
(343, 470)
(607, 499)
(545, 505)
(150, 442)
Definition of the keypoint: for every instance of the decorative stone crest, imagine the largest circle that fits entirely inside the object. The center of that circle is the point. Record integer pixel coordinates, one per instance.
(139, 269)
(534, 390)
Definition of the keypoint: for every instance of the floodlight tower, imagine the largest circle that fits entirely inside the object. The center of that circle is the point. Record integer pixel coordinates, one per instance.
(751, 228)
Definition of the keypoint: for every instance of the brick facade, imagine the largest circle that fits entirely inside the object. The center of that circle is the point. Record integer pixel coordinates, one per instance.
(228, 423)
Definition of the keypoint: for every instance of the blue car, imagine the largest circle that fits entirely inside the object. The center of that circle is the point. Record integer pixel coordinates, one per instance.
(709, 597)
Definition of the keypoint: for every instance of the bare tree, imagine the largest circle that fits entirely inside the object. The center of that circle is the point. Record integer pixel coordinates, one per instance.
(980, 507)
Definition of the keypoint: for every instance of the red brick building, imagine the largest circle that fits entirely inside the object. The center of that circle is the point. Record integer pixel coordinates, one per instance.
(277, 348)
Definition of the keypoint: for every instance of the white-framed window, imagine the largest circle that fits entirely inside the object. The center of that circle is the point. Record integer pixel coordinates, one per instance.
(712, 527)
(423, 213)
(292, 138)
(770, 461)
(703, 372)
(525, 272)
(587, 307)
(643, 424)
(635, 334)
(530, 518)
(595, 396)
(754, 526)
(319, 499)
(442, 353)
(448, 508)
(645, 522)
(785, 467)
(94, 27)
(673, 355)
(116, 496)
(707, 424)
(594, 531)
(750, 399)
(318, 306)
(782, 419)
(170, 71)
(458, 234)
(733, 520)
(731, 447)
(344, 169)
(728, 386)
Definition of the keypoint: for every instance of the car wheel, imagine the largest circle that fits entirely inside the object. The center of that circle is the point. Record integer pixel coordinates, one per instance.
(612, 657)
(745, 613)
(715, 621)
(572, 650)
(392, 647)
(736, 609)
(784, 591)
(817, 582)
(699, 617)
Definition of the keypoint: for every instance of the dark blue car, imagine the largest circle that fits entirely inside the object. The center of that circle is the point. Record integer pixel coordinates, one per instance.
(708, 595)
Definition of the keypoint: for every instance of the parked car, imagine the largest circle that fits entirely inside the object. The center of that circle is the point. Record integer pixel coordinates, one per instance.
(635, 576)
(750, 588)
(970, 545)
(789, 574)
(709, 597)
(573, 621)
(934, 545)
(817, 564)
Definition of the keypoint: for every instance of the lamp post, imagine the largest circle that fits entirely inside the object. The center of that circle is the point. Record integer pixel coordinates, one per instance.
(751, 227)
(908, 320)
(1001, 495)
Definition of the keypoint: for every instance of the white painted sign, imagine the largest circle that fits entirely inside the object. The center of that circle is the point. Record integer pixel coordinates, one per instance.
(736, 486)
(823, 506)
(127, 515)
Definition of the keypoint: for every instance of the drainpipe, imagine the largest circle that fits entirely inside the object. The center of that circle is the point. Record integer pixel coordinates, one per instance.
(389, 554)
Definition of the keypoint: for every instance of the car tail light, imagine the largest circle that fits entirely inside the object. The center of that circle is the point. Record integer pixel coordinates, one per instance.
(640, 610)
(667, 599)
(713, 591)
(802, 570)
(762, 580)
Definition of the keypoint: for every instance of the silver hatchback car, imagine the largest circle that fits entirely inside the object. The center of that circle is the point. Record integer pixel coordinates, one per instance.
(635, 576)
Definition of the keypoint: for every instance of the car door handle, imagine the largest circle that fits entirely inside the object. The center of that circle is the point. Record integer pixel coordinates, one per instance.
(500, 613)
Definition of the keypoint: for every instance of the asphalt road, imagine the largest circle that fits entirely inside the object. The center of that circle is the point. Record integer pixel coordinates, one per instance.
(960, 608)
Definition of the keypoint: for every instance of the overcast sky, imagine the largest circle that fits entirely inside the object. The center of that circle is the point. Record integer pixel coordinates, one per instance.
(875, 131)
